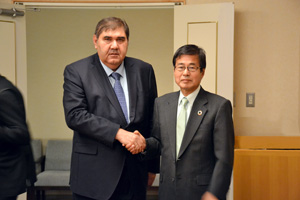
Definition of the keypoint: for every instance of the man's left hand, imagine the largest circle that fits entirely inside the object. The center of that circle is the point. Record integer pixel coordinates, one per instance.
(151, 178)
(208, 196)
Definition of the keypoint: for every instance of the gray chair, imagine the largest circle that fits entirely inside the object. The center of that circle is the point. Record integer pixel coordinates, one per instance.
(57, 169)
(36, 146)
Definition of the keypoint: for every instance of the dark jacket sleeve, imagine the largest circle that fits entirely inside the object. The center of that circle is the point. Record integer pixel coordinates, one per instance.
(152, 151)
(223, 150)
(154, 162)
(77, 113)
(13, 127)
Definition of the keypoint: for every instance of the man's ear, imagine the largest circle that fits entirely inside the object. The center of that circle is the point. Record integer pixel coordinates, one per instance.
(95, 39)
(202, 70)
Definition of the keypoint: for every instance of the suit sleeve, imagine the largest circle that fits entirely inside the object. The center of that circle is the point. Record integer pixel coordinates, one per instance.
(223, 138)
(154, 162)
(153, 142)
(13, 127)
(152, 151)
(77, 114)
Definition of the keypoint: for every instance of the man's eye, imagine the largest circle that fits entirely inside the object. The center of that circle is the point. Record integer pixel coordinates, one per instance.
(107, 39)
(192, 68)
(181, 68)
(121, 39)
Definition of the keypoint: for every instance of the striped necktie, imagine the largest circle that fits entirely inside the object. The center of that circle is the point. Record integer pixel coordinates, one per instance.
(120, 94)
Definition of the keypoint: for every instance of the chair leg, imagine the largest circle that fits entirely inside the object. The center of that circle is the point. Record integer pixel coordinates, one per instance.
(30, 193)
(38, 194)
(43, 195)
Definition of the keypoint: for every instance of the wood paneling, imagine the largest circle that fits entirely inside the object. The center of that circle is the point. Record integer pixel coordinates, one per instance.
(270, 173)
(8, 49)
(97, 1)
(267, 142)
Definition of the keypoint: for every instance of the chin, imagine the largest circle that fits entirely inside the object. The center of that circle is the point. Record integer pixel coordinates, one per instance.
(115, 62)
(185, 86)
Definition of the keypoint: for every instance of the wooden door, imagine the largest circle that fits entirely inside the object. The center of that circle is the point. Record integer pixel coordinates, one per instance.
(210, 26)
(13, 63)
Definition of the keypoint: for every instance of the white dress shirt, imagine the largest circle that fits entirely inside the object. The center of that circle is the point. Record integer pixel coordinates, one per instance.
(191, 98)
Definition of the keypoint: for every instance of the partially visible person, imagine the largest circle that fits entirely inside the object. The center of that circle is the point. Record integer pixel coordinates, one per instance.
(107, 96)
(17, 168)
(193, 132)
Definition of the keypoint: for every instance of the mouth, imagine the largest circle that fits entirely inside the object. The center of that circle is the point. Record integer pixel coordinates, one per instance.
(185, 80)
(113, 55)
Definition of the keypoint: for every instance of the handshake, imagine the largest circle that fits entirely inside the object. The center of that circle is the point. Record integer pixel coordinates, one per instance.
(132, 141)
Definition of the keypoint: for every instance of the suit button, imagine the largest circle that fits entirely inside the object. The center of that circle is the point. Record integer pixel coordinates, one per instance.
(172, 179)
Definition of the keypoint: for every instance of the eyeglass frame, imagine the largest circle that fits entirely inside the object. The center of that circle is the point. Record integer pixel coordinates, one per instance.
(186, 67)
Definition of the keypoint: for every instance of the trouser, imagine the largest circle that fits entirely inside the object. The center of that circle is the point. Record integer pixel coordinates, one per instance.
(123, 190)
(8, 198)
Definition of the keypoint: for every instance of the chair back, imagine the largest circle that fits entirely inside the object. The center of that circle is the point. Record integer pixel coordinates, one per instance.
(58, 155)
(36, 146)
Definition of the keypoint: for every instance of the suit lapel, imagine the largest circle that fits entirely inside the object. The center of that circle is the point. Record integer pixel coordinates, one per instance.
(132, 87)
(170, 121)
(105, 85)
(196, 116)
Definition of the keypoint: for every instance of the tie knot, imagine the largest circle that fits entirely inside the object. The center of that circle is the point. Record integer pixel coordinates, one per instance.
(184, 101)
(116, 75)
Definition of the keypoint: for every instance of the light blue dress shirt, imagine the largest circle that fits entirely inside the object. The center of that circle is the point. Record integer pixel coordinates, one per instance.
(123, 80)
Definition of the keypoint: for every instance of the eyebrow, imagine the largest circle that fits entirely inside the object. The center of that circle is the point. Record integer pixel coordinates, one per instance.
(120, 37)
(188, 64)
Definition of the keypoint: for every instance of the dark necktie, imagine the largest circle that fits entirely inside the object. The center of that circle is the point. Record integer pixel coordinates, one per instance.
(120, 94)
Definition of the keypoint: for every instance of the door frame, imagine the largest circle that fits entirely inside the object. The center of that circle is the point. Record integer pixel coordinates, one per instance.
(20, 45)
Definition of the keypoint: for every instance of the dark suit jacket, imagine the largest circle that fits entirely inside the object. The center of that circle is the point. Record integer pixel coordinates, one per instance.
(205, 158)
(92, 110)
(16, 159)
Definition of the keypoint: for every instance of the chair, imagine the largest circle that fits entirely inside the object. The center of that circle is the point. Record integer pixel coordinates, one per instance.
(57, 169)
(36, 146)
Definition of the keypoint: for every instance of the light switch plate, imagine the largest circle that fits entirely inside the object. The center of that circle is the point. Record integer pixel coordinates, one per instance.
(250, 99)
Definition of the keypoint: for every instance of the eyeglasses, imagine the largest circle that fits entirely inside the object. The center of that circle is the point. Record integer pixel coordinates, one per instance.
(181, 68)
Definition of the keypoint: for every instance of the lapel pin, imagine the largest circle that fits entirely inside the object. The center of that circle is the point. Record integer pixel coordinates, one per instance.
(200, 112)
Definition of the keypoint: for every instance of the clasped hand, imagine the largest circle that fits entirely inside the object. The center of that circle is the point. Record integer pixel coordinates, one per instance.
(132, 141)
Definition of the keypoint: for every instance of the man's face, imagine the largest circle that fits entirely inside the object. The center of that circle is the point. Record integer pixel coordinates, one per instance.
(112, 47)
(186, 80)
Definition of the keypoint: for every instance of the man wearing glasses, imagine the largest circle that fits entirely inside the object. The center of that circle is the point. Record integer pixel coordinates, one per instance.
(193, 133)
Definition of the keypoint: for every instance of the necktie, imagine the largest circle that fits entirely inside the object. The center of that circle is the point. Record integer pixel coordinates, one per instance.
(181, 123)
(120, 94)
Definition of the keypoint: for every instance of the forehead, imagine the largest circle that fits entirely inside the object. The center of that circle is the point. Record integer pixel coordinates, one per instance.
(117, 32)
(187, 59)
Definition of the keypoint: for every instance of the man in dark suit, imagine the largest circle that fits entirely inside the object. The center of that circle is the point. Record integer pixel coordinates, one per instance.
(17, 168)
(107, 96)
(195, 138)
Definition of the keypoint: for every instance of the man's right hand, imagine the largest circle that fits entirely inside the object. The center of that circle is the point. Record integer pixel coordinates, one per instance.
(134, 142)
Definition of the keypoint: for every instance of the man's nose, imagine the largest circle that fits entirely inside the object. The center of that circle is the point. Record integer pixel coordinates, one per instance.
(186, 71)
(114, 44)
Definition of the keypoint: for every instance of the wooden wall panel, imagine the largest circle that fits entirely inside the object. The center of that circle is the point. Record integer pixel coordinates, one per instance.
(103, 1)
(267, 173)
(267, 142)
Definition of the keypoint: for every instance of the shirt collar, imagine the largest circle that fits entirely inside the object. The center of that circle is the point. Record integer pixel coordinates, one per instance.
(191, 97)
(108, 71)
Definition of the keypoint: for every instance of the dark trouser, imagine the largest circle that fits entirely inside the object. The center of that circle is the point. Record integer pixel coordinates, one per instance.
(79, 197)
(8, 198)
(123, 190)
